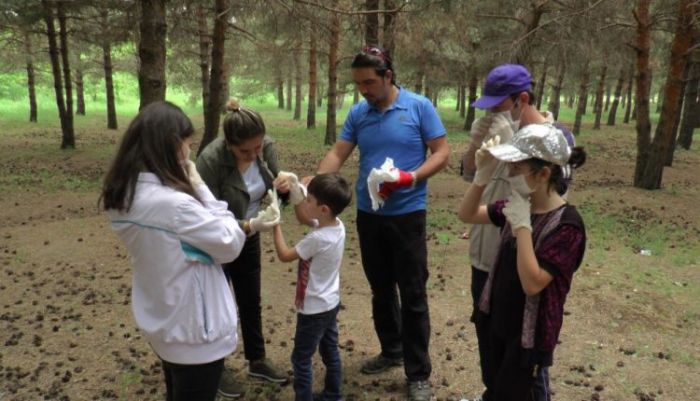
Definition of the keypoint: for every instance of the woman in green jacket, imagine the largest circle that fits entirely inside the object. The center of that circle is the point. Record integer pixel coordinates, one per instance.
(240, 168)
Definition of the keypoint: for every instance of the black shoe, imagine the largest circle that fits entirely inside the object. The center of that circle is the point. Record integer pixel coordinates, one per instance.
(420, 391)
(264, 369)
(229, 387)
(380, 364)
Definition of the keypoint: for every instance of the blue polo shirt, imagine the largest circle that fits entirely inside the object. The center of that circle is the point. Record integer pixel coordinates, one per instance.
(400, 133)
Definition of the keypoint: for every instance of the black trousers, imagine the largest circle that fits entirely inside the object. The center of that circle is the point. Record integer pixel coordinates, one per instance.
(192, 382)
(394, 254)
(244, 274)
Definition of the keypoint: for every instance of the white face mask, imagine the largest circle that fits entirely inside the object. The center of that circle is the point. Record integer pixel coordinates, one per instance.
(514, 124)
(519, 185)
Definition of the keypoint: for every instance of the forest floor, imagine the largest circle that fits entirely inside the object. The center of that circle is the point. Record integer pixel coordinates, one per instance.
(631, 332)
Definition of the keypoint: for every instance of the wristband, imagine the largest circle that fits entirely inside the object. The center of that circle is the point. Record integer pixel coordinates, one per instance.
(414, 179)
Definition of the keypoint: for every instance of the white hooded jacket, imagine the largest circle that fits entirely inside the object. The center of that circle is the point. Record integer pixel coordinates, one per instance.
(180, 297)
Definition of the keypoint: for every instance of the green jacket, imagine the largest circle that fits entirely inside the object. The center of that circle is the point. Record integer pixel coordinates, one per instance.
(217, 166)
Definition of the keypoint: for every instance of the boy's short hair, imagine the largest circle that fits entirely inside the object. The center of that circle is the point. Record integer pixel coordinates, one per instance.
(331, 190)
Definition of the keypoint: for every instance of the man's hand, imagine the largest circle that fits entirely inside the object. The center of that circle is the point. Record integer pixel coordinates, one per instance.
(192, 174)
(517, 212)
(485, 162)
(405, 180)
(479, 130)
(500, 127)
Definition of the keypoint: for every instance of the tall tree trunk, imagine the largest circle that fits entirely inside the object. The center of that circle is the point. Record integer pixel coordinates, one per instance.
(297, 83)
(56, 70)
(319, 95)
(554, 101)
(389, 31)
(473, 86)
(204, 42)
(79, 93)
(371, 23)
(599, 98)
(616, 100)
(541, 85)
(642, 88)
(280, 90)
(153, 28)
(225, 94)
(582, 95)
(458, 97)
(311, 107)
(651, 166)
(290, 85)
(677, 118)
(332, 80)
(691, 108)
(31, 86)
(607, 97)
(107, 65)
(212, 113)
(630, 102)
(69, 139)
(462, 100)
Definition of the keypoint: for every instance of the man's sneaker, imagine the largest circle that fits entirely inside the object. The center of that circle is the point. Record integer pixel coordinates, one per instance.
(229, 387)
(380, 364)
(419, 391)
(264, 369)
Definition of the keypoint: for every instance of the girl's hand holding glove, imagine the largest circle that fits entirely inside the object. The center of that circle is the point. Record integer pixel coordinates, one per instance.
(517, 212)
(485, 162)
(297, 190)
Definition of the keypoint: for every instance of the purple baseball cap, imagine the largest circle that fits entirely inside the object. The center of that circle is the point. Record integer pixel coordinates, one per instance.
(502, 82)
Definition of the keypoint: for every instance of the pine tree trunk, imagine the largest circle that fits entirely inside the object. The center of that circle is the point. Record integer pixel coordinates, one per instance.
(31, 74)
(79, 93)
(107, 65)
(473, 86)
(691, 108)
(598, 108)
(607, 98)
(462, 100)
(153, 29)
(212, 113)
(616, 100)
(69, 135)
(389, 29)
(297, 83)
(371, 23)
(630, 99)
(458, 97)
(319, 95)
(554, 101)
(290, 85)
(332, 80)
(652, 166)
(540, 86)
(643, 37)
(204, 41)
(311, 107)
(55, 66)
(280, 91)
(582, 95)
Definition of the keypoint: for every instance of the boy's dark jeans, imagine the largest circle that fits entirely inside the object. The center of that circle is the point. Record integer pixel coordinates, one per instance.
(192, 382)
(317, 331)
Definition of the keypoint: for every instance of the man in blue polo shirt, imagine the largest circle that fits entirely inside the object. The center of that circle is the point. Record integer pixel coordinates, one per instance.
(393, 122)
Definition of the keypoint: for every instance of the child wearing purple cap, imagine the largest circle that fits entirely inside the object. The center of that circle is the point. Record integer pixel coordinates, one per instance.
(542, 242)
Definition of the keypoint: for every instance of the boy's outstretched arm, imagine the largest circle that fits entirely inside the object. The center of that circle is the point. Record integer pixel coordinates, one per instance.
(284, 253)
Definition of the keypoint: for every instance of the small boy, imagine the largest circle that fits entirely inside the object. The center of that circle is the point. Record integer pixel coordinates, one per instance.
(318, 282)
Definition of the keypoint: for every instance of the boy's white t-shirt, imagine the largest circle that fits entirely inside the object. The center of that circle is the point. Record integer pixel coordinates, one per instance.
(318, 274)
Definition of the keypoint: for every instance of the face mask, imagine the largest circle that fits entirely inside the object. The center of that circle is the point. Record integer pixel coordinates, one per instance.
(514, 124)
(519, 185)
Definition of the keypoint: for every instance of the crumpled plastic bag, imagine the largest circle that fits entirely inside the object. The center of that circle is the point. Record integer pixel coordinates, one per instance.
(272, 212)
(386, 173)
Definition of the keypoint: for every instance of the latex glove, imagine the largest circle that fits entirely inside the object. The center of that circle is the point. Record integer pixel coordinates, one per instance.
(404, 180)
(386, 172)
(192, 174)
(266, 219)
(517, 212)
(479, 130)
(500, 127)
(485, 162)
(297, 191)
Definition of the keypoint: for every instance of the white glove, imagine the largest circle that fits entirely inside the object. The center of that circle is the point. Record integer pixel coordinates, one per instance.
(480, 128)
(500, 127)
(266, 219)
(297, 190)
(485, 162)
(192, 174)
(517, 212)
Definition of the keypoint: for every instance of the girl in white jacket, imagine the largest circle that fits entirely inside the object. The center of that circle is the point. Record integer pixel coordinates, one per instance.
(178, 235)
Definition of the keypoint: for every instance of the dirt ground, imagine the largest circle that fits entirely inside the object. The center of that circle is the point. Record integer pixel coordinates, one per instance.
(67, 333)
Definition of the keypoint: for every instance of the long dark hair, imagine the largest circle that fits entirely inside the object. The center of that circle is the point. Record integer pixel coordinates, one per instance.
(152, 144)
